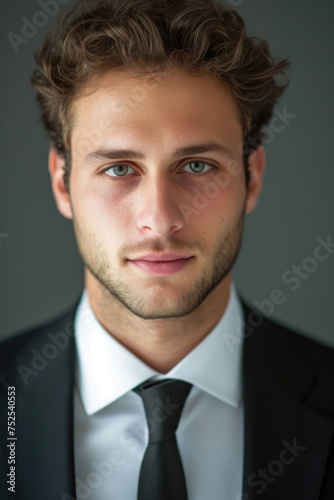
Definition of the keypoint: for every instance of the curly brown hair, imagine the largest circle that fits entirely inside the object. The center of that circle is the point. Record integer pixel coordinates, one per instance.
(152, 37)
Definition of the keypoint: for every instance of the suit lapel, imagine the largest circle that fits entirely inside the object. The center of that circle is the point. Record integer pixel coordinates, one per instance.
(286, 442)
(44, 379)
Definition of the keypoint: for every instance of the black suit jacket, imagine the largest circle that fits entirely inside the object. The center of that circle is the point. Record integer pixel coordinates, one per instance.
(288, 384)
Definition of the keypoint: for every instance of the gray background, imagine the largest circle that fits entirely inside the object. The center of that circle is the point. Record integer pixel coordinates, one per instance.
(41, 270)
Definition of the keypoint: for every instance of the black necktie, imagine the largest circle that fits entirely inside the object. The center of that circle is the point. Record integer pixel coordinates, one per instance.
(161, 474)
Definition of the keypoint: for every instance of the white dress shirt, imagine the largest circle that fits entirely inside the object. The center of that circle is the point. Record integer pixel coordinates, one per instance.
(110, 429)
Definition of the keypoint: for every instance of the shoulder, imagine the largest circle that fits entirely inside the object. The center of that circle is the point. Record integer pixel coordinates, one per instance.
(273, 332)
(38, 334)
(278, 356)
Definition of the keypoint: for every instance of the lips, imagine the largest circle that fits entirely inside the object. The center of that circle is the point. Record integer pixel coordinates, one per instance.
(162, 264)
(162, 257)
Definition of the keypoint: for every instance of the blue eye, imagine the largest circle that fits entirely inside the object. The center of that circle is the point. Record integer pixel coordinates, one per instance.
(198, 167)
(119, 170)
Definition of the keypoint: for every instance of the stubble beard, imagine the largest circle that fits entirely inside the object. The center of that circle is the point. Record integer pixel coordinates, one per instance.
(165, 303)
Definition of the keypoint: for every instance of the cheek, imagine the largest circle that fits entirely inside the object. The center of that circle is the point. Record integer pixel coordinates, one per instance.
(97, 207)
(218, 199)
(91, 203)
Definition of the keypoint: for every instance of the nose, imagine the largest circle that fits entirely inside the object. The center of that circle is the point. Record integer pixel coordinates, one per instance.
(158, 212)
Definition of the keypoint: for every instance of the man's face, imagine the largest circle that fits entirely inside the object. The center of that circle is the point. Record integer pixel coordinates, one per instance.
(127, 207)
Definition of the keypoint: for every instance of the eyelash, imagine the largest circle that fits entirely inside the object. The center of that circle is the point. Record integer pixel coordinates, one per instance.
(200, 174)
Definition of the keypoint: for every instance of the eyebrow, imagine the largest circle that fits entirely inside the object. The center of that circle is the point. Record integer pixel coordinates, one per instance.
(114, 154)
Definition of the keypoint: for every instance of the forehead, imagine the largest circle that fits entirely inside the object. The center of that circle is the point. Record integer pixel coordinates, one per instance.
(175, 104)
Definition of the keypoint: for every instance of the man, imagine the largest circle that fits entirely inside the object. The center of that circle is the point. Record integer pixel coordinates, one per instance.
(160, 382)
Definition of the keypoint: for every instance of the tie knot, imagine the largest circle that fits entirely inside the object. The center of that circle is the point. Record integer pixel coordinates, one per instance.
(163, 402)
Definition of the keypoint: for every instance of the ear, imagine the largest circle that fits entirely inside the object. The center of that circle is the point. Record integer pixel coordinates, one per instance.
(62, 197)
(257, 164)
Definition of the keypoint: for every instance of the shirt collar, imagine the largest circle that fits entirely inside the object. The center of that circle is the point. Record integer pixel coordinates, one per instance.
(106, 370)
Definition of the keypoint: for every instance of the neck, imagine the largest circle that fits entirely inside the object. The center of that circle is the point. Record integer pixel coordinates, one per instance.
(160, 343)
